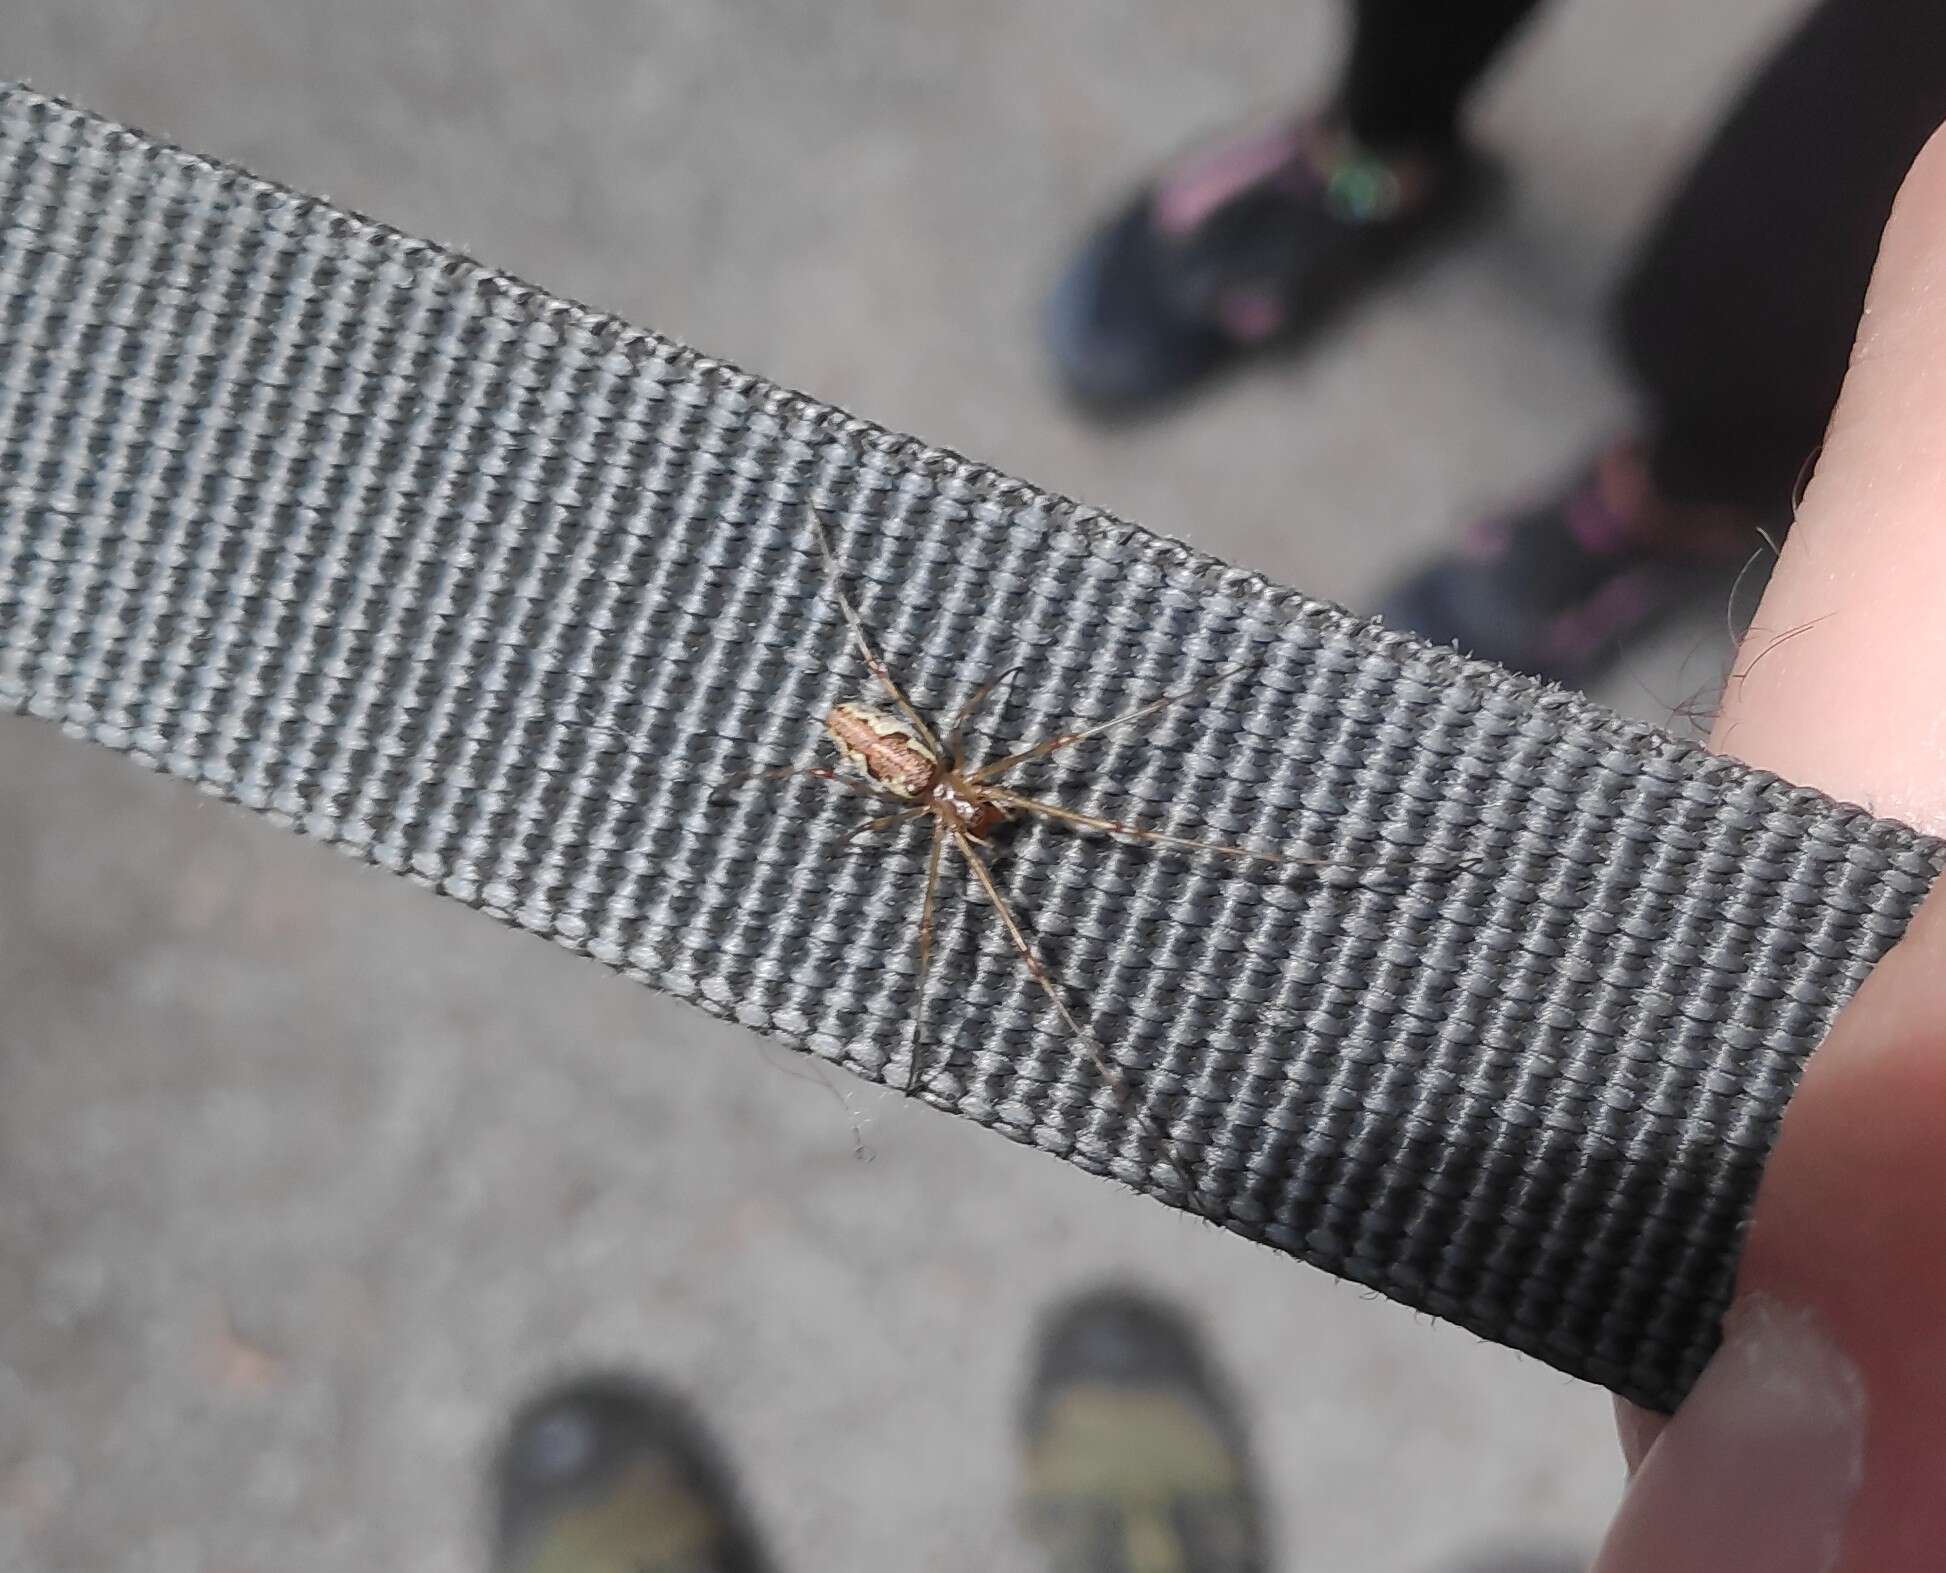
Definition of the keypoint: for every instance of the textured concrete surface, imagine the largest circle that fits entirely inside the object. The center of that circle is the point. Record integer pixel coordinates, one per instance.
(305, 1177)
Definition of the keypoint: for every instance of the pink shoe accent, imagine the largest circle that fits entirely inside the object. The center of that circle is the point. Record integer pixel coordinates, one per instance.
(1602, 529)
(1249, 316)
(1202, 184)
(1577, 635)
(1487, 538)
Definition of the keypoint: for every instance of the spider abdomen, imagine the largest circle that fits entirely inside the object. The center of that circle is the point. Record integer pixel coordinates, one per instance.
(882, 748)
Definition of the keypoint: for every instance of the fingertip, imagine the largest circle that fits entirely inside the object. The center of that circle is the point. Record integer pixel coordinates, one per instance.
(1842, 1285)
(1838, 683)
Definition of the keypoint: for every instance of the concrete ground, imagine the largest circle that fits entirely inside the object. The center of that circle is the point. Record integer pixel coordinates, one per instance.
(305, 1177)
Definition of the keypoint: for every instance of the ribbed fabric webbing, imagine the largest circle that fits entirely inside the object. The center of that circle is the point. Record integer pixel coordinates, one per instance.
(501, 594)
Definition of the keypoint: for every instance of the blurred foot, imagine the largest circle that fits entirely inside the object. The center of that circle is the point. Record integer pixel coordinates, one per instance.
(1238, 247)
(1135, 1461)
(610, 1476)
(1561, 588)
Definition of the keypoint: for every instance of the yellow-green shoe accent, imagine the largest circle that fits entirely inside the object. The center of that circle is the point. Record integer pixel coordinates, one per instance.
(612, 1476)
(1134, 1459)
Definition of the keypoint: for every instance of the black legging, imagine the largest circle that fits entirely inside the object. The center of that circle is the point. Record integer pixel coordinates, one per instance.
(1412, 63)
(1738, 314)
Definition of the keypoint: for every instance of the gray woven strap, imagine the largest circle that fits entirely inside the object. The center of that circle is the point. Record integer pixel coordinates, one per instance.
(501, 594)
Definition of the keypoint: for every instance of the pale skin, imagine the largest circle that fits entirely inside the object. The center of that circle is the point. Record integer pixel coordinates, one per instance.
(1849, 1231)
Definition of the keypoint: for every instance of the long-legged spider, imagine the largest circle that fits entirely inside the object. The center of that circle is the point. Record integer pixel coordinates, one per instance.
(899, 758)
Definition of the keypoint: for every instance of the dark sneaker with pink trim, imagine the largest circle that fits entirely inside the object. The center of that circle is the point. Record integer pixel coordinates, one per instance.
(1560, 589)
(1240, 246)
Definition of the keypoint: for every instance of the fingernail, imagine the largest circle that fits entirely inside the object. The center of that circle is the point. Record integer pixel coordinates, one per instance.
(1759, 1467)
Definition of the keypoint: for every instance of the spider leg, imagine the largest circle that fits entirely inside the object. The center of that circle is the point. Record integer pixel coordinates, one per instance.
(1114, 827)
(884, 822)
(925, 955)
(864, 640)
(1061, 740)
(966, 712)
(1118, 1083)
(817, 773)
(1032, 962)
(1118, 827)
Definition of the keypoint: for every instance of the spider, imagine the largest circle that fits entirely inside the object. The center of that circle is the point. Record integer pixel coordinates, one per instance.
(896, 756)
